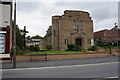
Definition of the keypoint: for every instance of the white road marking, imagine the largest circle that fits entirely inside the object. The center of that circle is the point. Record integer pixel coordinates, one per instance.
(113, 77)
(107, 78)
(59, 66)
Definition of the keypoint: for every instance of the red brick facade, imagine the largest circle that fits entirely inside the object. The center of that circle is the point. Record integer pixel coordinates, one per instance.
(108, 35)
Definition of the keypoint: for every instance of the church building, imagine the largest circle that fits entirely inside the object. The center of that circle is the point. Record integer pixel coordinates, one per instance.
(73, 27)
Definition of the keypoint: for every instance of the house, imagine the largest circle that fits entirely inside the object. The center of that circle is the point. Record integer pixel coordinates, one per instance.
(112, 35)
(33, 42)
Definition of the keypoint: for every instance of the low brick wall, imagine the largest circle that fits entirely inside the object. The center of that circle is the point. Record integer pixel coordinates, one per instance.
(22, 57)
(101, 50)
(75, 56)
(115, 51)
(64, 56)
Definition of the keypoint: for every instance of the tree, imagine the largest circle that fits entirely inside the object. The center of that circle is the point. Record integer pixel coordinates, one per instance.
(36, 37)
(28, 37)
(109, 45)
(19, 37)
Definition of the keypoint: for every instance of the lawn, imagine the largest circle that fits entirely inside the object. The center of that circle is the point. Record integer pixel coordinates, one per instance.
(56, 52)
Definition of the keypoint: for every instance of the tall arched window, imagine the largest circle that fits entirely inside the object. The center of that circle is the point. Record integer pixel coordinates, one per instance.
(74, 24)
(77, 24)
(81, 24)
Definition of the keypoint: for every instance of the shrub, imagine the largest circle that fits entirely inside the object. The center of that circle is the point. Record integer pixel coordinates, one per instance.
(85, 51)
(77, 48)
(118, 48)
(34, 48)
(43, 50)
(107, 50)
(73, 47)
(18, 51)
(93, 48)
(49, 47)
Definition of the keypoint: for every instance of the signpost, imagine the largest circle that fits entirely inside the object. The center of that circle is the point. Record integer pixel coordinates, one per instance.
(24, 31)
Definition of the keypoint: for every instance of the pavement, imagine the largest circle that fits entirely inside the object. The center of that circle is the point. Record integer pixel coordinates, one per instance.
(28, 64)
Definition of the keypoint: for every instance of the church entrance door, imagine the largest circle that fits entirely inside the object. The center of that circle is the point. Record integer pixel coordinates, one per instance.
(78, 42)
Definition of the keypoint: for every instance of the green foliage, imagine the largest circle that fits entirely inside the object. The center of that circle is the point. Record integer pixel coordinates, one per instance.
(100, 43)
(118, 48)
(107, 50)
(49, 47)
(28, 37)
(93, 48)
(77, 48)
(109, 44)
(19, 37)
(43, 50)
(19, 51)
(56, 52)
(34, 48)
(37, 37)
(73, 47)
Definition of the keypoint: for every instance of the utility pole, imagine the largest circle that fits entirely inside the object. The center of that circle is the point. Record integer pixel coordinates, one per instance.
(14, 38)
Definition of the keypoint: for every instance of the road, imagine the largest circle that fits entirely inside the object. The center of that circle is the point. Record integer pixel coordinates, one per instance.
(106, 69)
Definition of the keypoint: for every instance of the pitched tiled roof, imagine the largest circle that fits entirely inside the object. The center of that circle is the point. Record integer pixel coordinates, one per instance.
(100, 33)
(113, 34)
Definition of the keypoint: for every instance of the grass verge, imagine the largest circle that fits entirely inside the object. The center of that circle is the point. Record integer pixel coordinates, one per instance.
(56, 52)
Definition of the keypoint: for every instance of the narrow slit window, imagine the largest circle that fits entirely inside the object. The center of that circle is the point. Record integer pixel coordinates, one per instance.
(54, 33)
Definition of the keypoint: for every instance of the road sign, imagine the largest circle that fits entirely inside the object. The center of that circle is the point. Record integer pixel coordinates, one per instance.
(2, 43)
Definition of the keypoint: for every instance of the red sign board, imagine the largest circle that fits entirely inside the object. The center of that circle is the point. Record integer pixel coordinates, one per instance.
(5, 42)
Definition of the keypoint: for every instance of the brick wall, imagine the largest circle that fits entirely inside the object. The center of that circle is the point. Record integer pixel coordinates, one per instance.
(66, 56)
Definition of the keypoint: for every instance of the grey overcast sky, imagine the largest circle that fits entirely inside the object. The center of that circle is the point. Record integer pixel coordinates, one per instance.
(36, 16)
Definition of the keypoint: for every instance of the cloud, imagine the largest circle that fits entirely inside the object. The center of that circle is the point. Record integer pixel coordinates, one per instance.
(27, 6)
(37, 15)
(104, 14)
(104, 24)
(99, 11)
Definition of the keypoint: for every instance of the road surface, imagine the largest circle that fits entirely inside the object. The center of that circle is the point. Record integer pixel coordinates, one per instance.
(106, 69)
